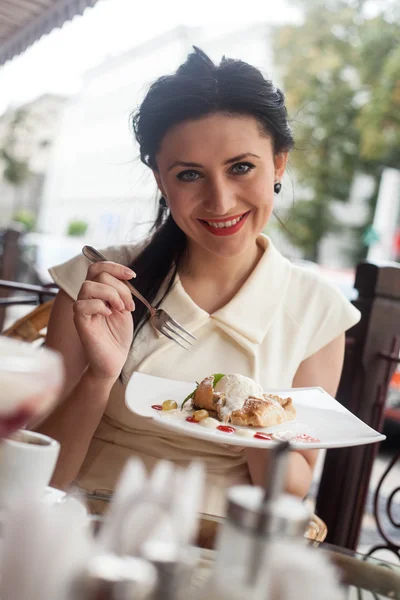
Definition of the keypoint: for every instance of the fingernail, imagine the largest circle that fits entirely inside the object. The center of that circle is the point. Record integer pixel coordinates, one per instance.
(129, 272)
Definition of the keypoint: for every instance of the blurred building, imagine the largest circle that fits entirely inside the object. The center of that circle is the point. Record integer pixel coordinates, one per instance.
(26, 137)
(95, 173)
(337, 248)
(382, 237)
(386, 224)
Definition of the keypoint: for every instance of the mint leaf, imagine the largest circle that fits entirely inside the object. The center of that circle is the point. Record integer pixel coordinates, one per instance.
(218, 377)
(191, 395)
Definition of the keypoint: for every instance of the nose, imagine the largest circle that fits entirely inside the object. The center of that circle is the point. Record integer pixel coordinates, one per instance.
(219, 199)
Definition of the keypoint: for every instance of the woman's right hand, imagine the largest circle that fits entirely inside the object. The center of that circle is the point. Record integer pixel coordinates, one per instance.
(102, 316)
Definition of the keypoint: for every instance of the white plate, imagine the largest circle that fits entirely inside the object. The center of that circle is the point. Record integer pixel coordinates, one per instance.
(318, 415)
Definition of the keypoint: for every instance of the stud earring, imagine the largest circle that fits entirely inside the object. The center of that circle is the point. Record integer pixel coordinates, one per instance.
(277, 187)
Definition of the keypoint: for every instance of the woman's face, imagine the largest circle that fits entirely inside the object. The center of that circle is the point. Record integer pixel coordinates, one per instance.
(217, 174)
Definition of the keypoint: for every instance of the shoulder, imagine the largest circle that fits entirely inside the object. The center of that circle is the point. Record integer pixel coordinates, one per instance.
(297, 284)
(305, 285)
(319, 307)
(70, 275)
(124, 253)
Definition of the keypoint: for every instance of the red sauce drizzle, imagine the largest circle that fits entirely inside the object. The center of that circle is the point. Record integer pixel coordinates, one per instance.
(304, 437)
(157, 407)
(262, 436)
(226, 428)
(191, 420)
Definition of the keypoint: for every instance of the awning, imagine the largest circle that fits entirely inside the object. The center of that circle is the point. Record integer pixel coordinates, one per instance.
(22, 22)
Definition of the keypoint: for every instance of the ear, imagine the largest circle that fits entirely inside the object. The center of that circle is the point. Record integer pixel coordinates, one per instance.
(158, 181)
(280, 161)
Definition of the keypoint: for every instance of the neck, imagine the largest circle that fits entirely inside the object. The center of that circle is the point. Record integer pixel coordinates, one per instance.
(201, 265)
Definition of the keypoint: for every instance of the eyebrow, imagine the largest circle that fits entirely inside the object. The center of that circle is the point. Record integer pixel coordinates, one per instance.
(182, 163)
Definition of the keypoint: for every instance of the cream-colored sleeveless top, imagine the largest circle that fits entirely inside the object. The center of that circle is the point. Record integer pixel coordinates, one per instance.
(282, 315)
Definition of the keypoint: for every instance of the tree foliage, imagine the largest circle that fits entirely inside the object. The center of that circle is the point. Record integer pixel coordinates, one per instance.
(341, 75)
(77, 228)
(26, 218)
(15, 165)
(15, 171)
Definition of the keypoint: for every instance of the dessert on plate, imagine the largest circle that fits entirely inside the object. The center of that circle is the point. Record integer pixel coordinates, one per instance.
(238, 400)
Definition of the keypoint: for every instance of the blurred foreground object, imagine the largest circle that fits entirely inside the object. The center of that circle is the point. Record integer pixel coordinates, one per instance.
(30, 381)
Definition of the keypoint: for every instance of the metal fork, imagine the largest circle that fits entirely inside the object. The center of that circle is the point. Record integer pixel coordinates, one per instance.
(158, 317)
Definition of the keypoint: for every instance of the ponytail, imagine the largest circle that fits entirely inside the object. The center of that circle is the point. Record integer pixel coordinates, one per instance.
(158, 263)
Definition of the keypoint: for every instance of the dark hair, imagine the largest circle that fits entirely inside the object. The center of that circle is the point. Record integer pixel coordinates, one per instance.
(198, 88)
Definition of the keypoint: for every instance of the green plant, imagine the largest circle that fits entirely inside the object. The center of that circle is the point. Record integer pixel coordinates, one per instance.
(26, 218)
(15, 171)
(77, 228)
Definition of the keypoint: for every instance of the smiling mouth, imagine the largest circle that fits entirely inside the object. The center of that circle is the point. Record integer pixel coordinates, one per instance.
(221, 227)
(221, 224)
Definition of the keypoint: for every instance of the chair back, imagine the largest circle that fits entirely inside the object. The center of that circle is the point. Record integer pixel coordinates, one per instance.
(31, 327)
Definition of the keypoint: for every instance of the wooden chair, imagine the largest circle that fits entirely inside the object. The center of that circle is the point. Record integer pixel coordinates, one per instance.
(10, 252)
(30, 327)
(372, 355)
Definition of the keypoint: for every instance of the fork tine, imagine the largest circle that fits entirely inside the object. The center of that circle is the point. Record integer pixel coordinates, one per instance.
(164, 332)
(170, 327)
(171, 320)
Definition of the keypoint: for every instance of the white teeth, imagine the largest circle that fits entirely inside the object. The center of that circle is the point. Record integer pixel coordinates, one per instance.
(221, 224)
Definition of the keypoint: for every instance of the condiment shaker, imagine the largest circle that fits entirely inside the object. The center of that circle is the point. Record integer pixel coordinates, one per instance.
(174, 569)
(241, 567)
(112, 577)
(256, 517)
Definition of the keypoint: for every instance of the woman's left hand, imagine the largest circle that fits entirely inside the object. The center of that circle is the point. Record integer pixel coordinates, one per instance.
(323, 369)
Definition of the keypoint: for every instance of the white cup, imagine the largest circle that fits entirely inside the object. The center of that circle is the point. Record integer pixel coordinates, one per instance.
(27, 463)
(30, 378)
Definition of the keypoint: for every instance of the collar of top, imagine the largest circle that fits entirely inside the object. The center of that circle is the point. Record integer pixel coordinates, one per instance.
(251, 311)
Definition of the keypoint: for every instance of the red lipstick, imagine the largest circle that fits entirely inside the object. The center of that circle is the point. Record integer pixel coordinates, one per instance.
(225, 230)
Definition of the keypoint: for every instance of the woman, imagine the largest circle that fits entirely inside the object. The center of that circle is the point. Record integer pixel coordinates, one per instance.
(217, 140)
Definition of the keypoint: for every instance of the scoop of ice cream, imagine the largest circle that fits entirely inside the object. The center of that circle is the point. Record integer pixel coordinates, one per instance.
(236, 389)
